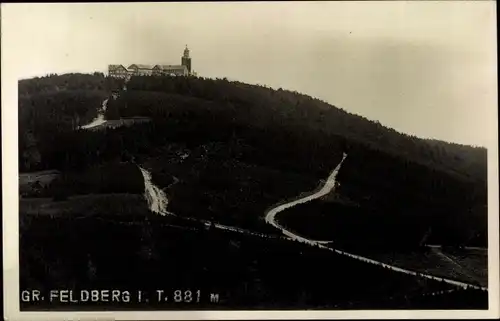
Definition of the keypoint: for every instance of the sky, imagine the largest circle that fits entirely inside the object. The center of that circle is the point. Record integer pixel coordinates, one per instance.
(423, 68)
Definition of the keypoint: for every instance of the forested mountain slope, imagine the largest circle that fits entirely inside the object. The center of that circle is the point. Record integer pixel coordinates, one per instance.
(262, 107)
(249, 147)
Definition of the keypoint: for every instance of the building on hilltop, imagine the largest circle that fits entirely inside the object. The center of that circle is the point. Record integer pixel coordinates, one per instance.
(118, 71)
(186, 59)
(184, 69)
(140, 70)
(171, 70)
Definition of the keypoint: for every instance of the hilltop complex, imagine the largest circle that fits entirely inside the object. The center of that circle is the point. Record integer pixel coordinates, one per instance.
(184, 69)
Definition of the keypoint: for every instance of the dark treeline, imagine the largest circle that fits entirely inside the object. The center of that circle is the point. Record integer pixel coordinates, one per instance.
(247, 272)
(64, 109)
(45, 117)
(397, 204)
(112, 177)
(194, 121)
(72, 81)
(226, 179)
(52, 106)
(358, 228)
(424, 200)
(265, 106)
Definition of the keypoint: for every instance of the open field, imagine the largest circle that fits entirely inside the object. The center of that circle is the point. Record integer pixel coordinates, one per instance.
(90, 205)
(109, 177)
(43, 177)
(461, 265)
(31, 182)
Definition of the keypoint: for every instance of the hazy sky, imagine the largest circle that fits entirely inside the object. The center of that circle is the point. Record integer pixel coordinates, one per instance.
(424, 68)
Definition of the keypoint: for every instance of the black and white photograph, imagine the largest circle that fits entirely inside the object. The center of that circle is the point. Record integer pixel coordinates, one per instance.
(236, 160)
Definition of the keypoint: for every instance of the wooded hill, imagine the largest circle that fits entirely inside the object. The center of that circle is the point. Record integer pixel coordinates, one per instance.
(238, 136)
(264, 107)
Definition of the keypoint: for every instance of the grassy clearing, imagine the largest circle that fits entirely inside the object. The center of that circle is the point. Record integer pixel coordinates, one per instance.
(465, 267)
(473, 262)
(111, 206)
(31, 183)
(107, 178)
(42, 176)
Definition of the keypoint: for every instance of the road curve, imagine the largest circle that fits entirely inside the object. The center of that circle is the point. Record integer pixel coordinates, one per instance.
(156, 198)
(329, 186)
(99, 120)
(157, 203)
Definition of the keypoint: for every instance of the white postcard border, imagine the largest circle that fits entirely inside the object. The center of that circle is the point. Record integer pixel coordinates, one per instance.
(10, 188)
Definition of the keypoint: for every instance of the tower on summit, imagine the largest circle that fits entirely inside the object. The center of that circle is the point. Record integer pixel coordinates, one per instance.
(186, 60)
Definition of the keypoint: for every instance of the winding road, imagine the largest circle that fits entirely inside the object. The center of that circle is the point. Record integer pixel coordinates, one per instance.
(99, 120)
(327, 188)
(156, 198)
(158, 202)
